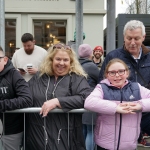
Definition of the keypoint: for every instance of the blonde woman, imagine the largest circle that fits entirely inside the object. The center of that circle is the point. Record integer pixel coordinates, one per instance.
(61, 83)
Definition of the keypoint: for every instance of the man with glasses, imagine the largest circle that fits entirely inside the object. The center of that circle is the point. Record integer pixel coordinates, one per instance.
(28, 58)
(137, 57)
(14, 94)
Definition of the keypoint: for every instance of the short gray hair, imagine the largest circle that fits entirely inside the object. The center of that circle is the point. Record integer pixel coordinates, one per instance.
(134, 24)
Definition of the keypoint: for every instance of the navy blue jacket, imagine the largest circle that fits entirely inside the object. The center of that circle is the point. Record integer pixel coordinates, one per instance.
(130, 92)
(92, 70)
(143, 64)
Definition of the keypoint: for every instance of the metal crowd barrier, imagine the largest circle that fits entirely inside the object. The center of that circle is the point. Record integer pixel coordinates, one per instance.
(38, 109)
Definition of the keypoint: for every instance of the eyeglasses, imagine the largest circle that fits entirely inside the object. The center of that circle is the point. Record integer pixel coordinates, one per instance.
(59, 46)
(113, 72)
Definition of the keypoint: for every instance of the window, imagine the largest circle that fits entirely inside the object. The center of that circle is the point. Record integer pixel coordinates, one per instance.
(49, 32)
(10, 37)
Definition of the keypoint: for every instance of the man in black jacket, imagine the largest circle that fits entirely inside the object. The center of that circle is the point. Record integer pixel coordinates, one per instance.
(137, 57)
(85, 54)
(14, 94)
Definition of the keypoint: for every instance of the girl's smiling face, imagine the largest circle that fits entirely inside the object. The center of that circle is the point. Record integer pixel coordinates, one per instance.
(117, 74)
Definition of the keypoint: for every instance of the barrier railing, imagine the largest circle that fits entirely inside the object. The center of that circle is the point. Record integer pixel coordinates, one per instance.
(37, 110)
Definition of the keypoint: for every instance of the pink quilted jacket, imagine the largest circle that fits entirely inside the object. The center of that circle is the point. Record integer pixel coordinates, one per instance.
(108, 121)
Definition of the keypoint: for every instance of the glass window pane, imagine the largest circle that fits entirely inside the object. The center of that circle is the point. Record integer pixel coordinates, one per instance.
(10, 37)
(49, 32)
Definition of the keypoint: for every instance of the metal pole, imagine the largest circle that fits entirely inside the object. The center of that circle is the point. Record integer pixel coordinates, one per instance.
(111, 26)
(79, 23)
(2, 24)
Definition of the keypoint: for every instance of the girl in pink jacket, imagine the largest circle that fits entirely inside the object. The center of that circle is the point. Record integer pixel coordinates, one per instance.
(119, 104)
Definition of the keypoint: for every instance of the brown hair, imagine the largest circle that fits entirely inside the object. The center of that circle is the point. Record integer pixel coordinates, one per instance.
(27, 37)
(114, 61)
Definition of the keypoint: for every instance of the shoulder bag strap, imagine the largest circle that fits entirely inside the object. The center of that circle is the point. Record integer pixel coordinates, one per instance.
(137, 70)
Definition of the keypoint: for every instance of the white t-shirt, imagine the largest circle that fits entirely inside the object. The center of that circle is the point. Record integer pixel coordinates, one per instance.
(20, 59)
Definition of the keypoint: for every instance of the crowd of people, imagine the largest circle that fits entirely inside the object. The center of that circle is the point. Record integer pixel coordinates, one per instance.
(114, 89)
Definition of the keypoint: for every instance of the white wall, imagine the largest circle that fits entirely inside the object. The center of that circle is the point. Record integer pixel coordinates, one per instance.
(59, 9)
(55, 6)
(93, 28)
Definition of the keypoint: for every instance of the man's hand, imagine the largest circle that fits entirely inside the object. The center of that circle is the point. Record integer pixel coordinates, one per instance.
(32, 70)
(22, 72)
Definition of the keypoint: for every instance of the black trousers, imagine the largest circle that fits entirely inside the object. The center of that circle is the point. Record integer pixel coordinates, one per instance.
(100, 148)
(145, 123)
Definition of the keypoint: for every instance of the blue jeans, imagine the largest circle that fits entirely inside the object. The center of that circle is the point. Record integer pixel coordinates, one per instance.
(89, 136)
(100, 148)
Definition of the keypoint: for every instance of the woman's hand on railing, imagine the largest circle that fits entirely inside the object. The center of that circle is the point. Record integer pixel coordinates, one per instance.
(48, 106)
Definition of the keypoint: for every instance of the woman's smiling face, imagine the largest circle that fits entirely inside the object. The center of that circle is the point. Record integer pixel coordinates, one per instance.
(61, 63)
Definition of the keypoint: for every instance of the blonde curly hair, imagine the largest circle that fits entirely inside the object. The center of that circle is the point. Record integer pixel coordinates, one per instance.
(47, 65)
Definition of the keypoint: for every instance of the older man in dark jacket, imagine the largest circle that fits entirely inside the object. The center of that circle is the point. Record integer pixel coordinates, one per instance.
(137, 57)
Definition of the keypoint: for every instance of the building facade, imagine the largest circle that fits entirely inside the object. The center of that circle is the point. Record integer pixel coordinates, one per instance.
(51, 21)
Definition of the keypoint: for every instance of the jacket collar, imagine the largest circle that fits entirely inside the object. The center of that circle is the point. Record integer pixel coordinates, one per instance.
(145, 50)
(106, 81)
(84, 60)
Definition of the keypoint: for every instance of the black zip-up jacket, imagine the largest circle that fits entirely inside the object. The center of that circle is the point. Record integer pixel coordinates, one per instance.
(14, 94)
(93, 72)
(71, 91)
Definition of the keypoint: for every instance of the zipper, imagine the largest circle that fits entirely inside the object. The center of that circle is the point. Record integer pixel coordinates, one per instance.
(56, 84)
(119, 135)
(135, 76)
(58, 139)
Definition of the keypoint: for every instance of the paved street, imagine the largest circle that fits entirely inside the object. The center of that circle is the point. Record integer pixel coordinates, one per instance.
(143, 148)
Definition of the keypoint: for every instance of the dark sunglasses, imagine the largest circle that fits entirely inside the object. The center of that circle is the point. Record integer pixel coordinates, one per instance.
(59, 46)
